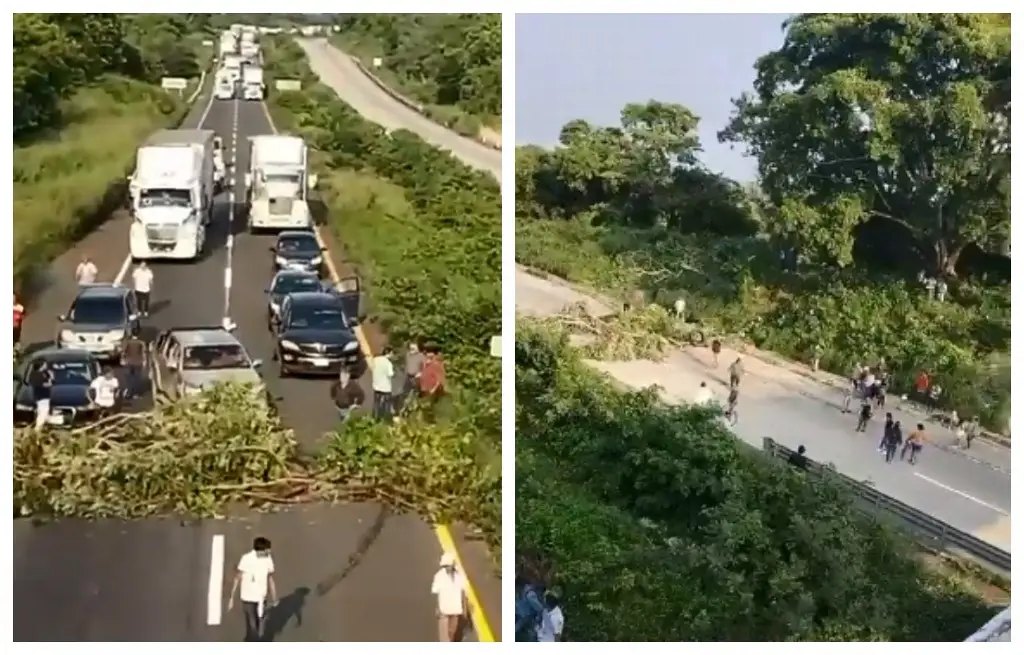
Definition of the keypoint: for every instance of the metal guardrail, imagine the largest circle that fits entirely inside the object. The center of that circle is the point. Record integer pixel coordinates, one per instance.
(943, 534)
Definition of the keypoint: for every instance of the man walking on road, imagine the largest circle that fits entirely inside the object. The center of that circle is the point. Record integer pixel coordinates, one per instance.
(86, 272)
(346, 394)
(915, 442)
(449, 586)
(255, 581)
(41, 379)
(736, 371)
(142, 278)
(382, 373)
(133, 359)
(103, 391)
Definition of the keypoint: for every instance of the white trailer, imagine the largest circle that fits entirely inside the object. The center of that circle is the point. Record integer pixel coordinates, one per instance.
(172, 191)
(228, 44)
(253, 87)
(231, 67)
(278, 183)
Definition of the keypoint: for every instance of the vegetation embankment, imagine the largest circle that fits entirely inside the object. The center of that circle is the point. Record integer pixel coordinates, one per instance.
(654, 524)
(449, 63)
(424, 231)
(86, 93)
(873, 170)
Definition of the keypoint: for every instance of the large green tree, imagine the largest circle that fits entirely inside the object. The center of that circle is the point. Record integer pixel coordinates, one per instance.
(899, 118)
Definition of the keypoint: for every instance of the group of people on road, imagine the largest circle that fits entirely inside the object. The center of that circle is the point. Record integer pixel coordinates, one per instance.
(892, 440)
(705, 396)
(422, 376)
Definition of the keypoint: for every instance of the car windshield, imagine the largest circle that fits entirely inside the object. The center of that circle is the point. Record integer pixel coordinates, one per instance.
(165, 198)
(207, 358)
(304, 243)
(98, 311)
(318, 318)
(77, 372)
(285, 284)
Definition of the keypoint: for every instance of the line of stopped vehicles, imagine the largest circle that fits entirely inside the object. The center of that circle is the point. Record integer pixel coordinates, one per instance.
(171, 194)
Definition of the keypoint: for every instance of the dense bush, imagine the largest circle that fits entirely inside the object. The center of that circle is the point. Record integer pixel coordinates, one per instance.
(451, 63)
(816, 256)
(661, 526)
(425, 232)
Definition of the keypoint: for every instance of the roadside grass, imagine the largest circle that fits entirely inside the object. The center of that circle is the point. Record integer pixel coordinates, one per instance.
(69, 182)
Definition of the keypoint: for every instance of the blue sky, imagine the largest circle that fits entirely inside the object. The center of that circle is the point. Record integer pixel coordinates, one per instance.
(590, 65)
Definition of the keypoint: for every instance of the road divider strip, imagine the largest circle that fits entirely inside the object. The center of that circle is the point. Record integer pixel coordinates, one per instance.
(441, 532)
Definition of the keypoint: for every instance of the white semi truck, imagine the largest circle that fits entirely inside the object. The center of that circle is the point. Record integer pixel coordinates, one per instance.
(252, 83)
(278, 183)
(228, 44)
(171, 192)
(231, 67)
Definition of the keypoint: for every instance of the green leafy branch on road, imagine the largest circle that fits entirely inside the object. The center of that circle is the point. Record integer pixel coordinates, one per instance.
(424, 231)
(200, 456)
(658, 525)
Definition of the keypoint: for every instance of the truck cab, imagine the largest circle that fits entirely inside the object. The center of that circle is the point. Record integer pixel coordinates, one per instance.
(278, 183)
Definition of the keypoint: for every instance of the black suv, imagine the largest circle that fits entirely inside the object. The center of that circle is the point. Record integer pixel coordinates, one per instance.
(314, 335)
(297, 250)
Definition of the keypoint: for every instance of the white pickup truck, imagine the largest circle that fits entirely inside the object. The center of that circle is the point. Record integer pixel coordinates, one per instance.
(171, 193)
(278, 183)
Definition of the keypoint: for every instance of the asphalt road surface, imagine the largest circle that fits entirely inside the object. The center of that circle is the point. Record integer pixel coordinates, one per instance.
(344, 573)
(794, 411)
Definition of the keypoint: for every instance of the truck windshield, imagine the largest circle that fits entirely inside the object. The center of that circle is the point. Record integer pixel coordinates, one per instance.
(165, 198)
(284, 185)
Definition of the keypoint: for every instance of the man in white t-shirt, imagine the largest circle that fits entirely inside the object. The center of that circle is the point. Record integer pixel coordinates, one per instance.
(552, 622)
(86, 271)
(703, 395)
(142, 278)
(449, 586)
(103, 391)
(255, 580)
(382, 370)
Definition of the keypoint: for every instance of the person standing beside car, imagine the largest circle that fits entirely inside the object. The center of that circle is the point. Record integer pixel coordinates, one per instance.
(133, 359)
(41, 381)
(142, 278)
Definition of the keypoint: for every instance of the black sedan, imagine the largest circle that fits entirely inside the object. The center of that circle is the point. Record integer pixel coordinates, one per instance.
(284, 283)
(73, 372)
(314, 335)
(296, 250)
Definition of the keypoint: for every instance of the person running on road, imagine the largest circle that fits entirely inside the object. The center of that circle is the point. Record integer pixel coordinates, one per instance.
(86, 272)
(736, 371)
(382, 373)
(552, 621)
(864, 417)
(347, 394)
(103, 391)
(142, 278)
(915, 442)
(449, 588)
(254, 582)
(133, 359)
(19, 318)
(730, 411)
(892, 440)
(41, 381)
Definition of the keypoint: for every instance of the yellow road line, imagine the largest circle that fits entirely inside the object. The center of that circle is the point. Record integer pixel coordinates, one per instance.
(442, 532)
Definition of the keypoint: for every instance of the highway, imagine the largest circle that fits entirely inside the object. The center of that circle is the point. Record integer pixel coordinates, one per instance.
(795, 411)
(345, 573)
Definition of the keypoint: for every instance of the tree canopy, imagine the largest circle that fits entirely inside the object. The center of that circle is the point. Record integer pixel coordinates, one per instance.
(56, 54)
(901, 118)
(447, 59)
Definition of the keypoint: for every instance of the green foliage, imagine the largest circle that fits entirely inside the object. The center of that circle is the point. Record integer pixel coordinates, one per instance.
(883, 150)
(661, 526)
(903, 118)
(446, 60)
(425, 233)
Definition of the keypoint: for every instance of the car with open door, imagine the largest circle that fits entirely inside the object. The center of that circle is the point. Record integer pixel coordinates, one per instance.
(314, 335)
(349, 290)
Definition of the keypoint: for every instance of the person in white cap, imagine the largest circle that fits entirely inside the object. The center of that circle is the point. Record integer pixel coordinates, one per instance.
(452, 605)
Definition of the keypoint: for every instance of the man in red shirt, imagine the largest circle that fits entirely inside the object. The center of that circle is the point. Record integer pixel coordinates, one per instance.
(19, 317)
(921, 386)
(432, 377)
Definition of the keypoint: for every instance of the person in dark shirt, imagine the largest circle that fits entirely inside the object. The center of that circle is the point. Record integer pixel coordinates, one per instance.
(865, 415)
(41, 381)
(893, 440)
(886, 431)
(799, 458)
(347, 394)
(133, 358)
